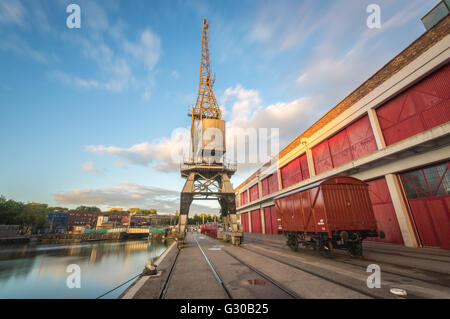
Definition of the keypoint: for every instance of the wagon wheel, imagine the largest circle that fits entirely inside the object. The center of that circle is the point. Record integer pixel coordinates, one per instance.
(326, 248)
(293, 243)
(356, 249)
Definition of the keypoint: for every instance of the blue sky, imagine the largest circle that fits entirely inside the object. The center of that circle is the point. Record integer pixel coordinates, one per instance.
(90, 115)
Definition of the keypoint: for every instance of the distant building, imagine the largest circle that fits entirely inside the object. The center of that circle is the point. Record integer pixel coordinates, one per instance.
(56, 222)
(160, 219)
(106, 221)
(116, 217)
(87, 219)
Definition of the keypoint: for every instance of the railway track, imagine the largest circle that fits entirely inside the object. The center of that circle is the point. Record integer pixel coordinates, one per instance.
(393, 273)
(341, 284)
(162, 293)
(213, 269)
(289, 294)
(285, 290)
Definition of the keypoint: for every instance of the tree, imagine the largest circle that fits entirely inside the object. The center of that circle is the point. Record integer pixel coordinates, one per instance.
(18, 213)
(150, 211)
(9, 210)
(88, 209)
(57, 209)
(32, 214)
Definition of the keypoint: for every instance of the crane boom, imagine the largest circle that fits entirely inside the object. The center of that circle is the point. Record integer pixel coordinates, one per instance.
(206, 105)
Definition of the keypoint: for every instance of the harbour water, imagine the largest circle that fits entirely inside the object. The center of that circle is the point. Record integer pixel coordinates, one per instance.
(41, 271)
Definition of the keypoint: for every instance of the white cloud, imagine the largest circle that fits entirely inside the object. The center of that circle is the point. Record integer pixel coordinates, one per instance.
(175, 75)
(90, 167)
(18, 46)
(128, 195)
(165, 154)
(281, 25)
(247, 112)
(118, 60)
(11, 11)
(147, 50)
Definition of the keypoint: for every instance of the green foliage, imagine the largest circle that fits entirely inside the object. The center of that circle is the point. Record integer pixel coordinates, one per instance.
(18, 213)
(57, 209)
(150, 211)
(202, 218)
(88, 209)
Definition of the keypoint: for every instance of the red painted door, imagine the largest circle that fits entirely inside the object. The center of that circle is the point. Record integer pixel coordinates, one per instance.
(322, 157)
(420, 108)
(273, 183)
(384, 212)
(268, 220)
(265, 186)
(428, 193)
(273, 215)
(254, 193)
(256, 221)
(244, 222)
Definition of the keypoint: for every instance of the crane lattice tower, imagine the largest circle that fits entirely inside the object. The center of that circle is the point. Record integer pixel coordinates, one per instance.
(207, 173)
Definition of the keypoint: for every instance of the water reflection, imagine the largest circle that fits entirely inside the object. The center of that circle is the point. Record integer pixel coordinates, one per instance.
(39, 271)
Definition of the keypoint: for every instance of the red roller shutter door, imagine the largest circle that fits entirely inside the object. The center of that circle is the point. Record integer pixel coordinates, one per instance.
(256, 221)
(428, 193)
(420, 108)
(384, 212)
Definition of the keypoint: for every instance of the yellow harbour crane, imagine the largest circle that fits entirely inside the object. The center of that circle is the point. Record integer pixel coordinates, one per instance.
(206, 171)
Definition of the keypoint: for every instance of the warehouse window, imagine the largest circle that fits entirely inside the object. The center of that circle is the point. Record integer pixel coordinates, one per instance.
(431, 181)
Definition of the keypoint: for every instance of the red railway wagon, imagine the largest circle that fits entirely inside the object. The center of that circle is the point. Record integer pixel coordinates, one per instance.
(210, 229)
(332, 213)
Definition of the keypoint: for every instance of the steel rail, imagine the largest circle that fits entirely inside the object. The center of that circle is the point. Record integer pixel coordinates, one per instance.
(372, 260)
(263, 275)
(316, 275)
(213, 269)
(165, 285)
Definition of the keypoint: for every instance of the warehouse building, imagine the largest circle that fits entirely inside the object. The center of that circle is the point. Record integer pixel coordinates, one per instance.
(393, 132)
